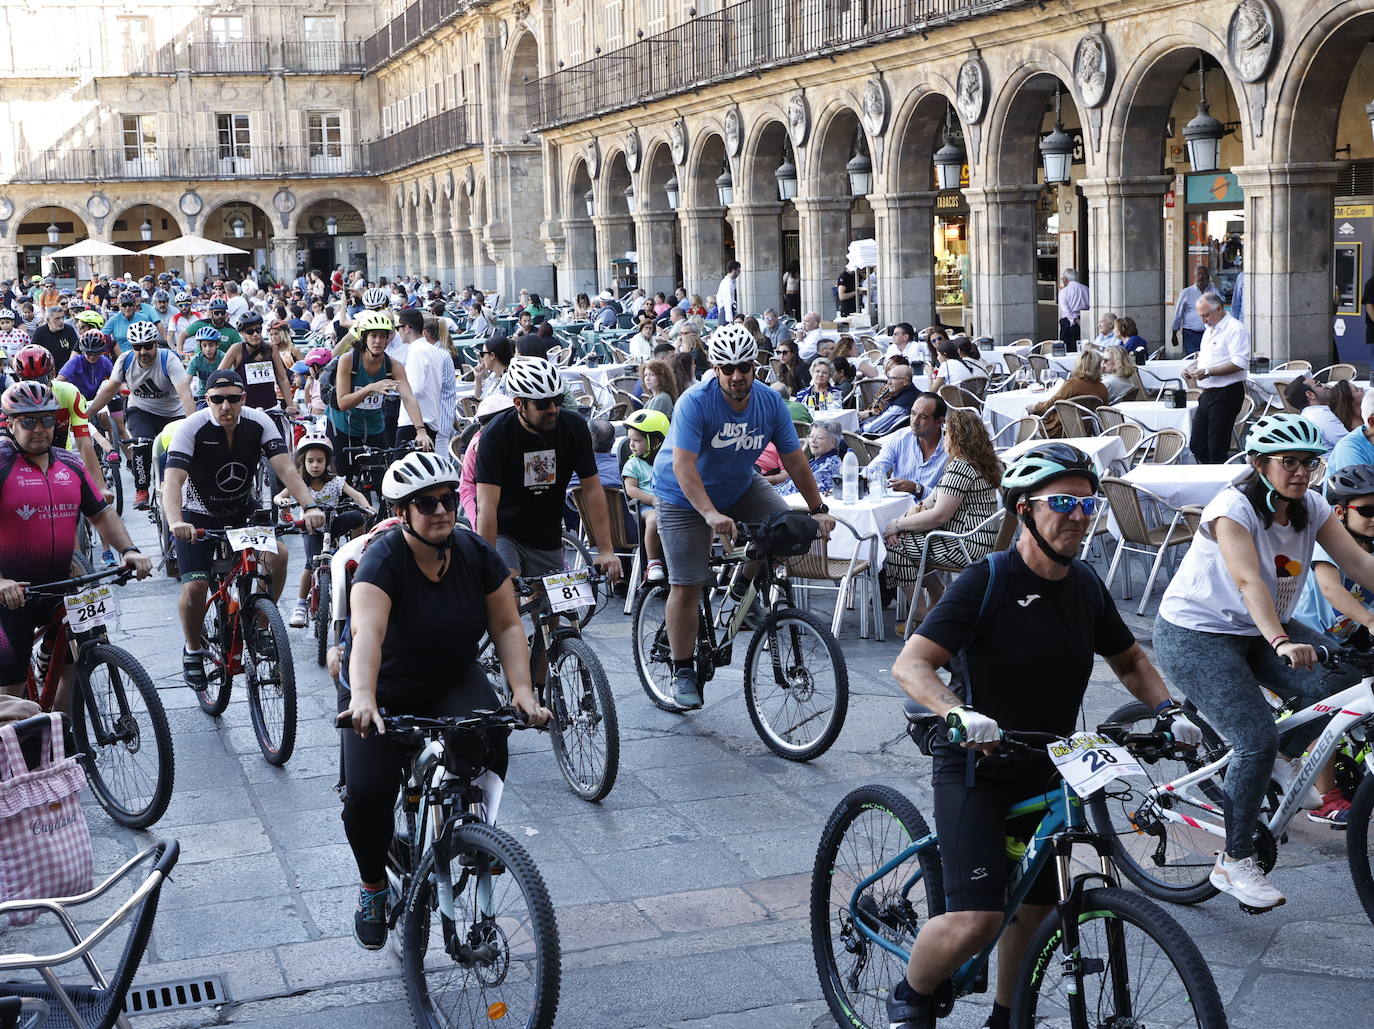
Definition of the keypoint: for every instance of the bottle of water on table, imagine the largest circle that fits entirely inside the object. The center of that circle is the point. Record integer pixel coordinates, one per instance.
(849, 473)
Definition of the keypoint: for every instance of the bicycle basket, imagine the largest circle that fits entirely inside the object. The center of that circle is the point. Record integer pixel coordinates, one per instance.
(785, 534)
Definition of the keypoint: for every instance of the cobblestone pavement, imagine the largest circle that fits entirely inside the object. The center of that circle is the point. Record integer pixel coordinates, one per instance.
(681, 899)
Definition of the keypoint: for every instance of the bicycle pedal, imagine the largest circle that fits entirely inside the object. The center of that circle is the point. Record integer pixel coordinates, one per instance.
(1249, 910)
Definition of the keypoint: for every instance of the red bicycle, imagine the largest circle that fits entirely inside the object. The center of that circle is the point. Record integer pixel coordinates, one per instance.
(243, 632)
(117, 717)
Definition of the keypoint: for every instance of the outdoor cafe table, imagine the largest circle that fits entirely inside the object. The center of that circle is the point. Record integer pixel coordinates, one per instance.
(1156, 415)
(1102, 449)
(1180, 485)
(867, 516)
(1001, 409)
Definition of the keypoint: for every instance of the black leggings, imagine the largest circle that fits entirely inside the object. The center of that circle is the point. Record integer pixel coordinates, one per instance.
(375, 767)
(141, 424)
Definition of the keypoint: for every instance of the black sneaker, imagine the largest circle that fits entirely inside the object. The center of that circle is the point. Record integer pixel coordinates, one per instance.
(369, 921)
(686, 692)
(906, 1014)
(193, 670)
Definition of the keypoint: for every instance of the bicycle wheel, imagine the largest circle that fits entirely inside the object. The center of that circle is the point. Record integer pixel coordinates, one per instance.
(115, 481)
(217, 639)
(649, 639)
(164, 540)
(869, 828)
(323, 614)
(121, 730)
(498, 957)
(585, 732)
(86, 540)
(576, 557)
(1138, 967)
(1167, 860)
(1359, 847)
(271, 681)
(796, 684)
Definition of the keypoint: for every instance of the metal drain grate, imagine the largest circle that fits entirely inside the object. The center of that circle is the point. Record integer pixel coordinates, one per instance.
(180, 993)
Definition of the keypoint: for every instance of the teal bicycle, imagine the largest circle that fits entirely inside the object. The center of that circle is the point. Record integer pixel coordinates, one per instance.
(1105, 958)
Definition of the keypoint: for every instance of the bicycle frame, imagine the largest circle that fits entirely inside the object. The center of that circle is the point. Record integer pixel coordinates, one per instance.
(242, 573)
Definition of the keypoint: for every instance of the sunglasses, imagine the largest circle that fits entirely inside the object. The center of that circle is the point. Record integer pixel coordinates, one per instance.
(1064, 503)
(541, 404)
(33, 421)
(746, 368)
(251, 332)
(1363, 510)
(224, 398)
(1292, 464)
(142, 346)
(431, 504)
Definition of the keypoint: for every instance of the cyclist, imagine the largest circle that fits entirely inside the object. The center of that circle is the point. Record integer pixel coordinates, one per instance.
(1041, 611)
(423, 597)
(260, 365)
(217, 315)
(205, 360)
(131, 312)
(181, 319)
(90, 367)
(364, 375)
(525, 459)
(34, 363)
(375, 300)
(159, 392)
(12, 338)
(1226, 622)
(37, 478)
(209, 485)
(705, 480)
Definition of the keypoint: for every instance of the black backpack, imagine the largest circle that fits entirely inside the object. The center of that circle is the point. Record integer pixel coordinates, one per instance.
(330, 377)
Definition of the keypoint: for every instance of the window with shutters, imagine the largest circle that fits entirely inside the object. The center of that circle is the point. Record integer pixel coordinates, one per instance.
(234, 136)
(613, 25)
(140, 137)
(324, 133)
(576, 32)
(657, 12)
(386, 120)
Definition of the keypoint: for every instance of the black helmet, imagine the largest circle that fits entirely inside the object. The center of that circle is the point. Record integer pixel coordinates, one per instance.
(1356, 480)
(250, 322)
(1042, 465)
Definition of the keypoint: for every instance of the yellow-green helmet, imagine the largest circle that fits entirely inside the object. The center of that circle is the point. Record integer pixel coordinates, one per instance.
(373, 321)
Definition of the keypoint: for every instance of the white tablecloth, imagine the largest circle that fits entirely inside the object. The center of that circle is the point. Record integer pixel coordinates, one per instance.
(1179, 485)
(1155, 375)
(869, 515)
(1000, 409)
(1156, 415)
(1102, 449)
(847, 418)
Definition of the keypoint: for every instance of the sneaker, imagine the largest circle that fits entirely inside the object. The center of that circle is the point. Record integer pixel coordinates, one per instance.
(141, 500)
(299, 615)
(369, 921)
(1334, 810)
(686, 692)
(107, 558)
(1245, 881)
(655, 572)
(1286, 773)
(193, 670)
(906, 1014)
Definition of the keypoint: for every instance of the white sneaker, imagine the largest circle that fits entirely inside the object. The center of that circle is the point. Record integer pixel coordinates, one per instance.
(298, 620)
(1243, 880)
(655, 572)
(1286, 771)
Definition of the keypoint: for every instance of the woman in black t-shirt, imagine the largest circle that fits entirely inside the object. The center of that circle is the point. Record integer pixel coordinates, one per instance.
(424, 595)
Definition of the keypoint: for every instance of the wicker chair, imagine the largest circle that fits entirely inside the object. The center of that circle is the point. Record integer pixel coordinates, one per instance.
(1335, 373)
(975, 384)
(1247, 408)
(616, 506)
(864, 449)
(844, 576)
(1040, 367)
(1162, 447)
(867, 391)
(1141, 533)
(1293, 366)
(1017, 431)
(1075, 417)
(960, 399)
(1130, 433)
(1107, 416)
(928, 566)
(1281, 393)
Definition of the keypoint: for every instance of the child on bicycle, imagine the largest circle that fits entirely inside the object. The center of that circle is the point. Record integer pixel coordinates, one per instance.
(315, 462)
(646, 429)
(205, 361)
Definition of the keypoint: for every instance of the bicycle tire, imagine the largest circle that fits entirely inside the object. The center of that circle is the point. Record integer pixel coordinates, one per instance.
(86, 539)
(1194, 1001)
(164, 542)
(584, 711)
(649, 641)
(133, 718)
(1358, 845)
(577, 556)
(323, 615)
(271, 698)
(115, 478)
(868, 828)
(475, 847)
(217, 639)
(794, 695)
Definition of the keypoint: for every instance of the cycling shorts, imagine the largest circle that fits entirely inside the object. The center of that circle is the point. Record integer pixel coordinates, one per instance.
(974, 846)
(17, 630)
(194, 557)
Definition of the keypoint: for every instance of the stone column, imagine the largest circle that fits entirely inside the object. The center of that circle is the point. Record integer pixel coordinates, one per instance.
(823, 224)
(9, 261)
(657, 243)
(703, 248)
(461, 244)
(284, 257)
(428, 256)
(758, 248)
(580, 264)
(483, 273)
(517, 189)
(1126, 251)
(615, 236)
(1002, 249)
(1288, 232)
(409, 251)
(443, 253)
(904, 229)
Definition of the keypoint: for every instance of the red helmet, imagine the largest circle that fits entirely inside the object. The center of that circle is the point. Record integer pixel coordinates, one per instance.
(33, 362)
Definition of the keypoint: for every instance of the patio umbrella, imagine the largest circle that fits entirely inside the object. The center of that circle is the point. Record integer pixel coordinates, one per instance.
(192, 248)
(93, 248)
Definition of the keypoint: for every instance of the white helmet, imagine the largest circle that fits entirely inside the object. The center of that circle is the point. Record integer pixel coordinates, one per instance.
(5, 312)
(142, 332)
(315, 439)
(375, 298)
(731, 344)
(532, 378)
(419, 470)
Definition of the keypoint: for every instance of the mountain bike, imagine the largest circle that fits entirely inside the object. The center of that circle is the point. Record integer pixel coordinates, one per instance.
(796, 684)
(1172, 827)
(319, 600)
(479, 940)
(243, 632)
(585, 730)
(1104, 957)
(369, 465)
(118, 721)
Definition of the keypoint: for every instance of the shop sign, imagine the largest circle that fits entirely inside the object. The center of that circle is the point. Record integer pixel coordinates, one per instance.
(1214, 188)
(1169, 198)
(950, 201)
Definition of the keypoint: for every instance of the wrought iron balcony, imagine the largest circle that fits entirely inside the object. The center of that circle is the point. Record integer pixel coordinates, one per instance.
(410, 26)
(191, 163)
(455, 129)
(242, 57)
(739, 40)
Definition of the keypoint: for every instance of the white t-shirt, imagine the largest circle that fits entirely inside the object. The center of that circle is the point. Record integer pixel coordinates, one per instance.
(1203, 596)
(725, 299)
(955, 370)
(1332, 428)
(426, 365)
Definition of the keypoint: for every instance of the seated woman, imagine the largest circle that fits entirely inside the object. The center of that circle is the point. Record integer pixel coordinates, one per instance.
(820, 395)
(769, 464)
(954, 366)
(1119, 374)
(822, 453)
(792, 372)
(1131, 341)
(963, 498)
(1084, 381)
(658, 387)
(843, 377)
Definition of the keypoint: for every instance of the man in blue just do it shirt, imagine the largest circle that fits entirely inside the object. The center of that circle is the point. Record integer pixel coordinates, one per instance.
(705, 479)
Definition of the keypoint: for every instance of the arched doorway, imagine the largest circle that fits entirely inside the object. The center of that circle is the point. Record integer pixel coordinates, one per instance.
(770, 244)
(656, 230)
(138, 227)
(43, 230)
(835, 215)
(707, 235)
(243, 225)
(618, 265)
(332, 233)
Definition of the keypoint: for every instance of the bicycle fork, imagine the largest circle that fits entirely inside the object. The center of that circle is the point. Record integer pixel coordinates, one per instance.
(1074, 967)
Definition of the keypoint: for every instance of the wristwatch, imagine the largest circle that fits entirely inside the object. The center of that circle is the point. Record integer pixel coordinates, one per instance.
(130, 550)
(823, 509)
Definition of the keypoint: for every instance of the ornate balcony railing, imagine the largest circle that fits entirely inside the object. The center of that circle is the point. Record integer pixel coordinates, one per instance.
(739, 40)
(194, 163)
(410, 26)
(455, 129)
(243, 57)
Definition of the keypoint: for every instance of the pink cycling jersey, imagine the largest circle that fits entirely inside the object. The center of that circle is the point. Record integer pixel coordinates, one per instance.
(39, 509)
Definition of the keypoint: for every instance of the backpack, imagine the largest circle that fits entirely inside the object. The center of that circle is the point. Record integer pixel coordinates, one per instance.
(329, 378)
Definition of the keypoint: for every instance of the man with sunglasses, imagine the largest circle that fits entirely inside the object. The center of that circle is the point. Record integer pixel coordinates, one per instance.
(159, 393)
(131, 311)
(209, 485)
(34, 364)
(705, 480)
(218, 316)
(1019, 631)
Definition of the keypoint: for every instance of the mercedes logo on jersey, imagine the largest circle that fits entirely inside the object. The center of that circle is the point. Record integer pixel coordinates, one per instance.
(231, 477)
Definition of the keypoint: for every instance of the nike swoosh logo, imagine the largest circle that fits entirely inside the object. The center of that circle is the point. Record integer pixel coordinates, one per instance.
(1026, 601)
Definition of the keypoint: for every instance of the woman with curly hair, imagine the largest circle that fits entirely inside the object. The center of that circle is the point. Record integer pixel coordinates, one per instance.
(659, 386)
(965, 496)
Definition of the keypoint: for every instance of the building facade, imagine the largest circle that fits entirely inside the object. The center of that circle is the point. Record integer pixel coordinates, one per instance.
(572, 145)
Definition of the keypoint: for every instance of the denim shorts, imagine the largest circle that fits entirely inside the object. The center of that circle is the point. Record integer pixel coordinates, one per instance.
(531, 561)
(687, 538)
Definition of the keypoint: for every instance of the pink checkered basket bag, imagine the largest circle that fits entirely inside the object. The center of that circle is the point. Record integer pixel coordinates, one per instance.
(45, 843)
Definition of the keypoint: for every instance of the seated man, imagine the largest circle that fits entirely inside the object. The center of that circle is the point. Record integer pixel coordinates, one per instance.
(1311, 398)
(887, 414)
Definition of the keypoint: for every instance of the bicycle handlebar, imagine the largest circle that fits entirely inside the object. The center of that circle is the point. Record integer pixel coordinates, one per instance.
(1016, 739)
(61, 587)
(502, 717)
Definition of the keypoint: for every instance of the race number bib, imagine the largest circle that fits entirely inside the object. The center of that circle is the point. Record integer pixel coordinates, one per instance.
(259, 373)
(94, 607)
(252, 538)
(568, 590)
(1089, 760)
(371, 402)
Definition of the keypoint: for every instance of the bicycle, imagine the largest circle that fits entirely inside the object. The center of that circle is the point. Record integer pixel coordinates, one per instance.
(369, 464)
(496, 933)
(585, 730)
(319, 599)
(239, 586)
(878, 876)
(118, 721)
(798, 699)
(1171, 828)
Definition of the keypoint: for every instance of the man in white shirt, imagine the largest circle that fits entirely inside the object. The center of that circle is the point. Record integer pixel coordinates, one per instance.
(905, 344)
(1073, 301)
(1185, 311)
(1222, 366)
(1313, 399)
(727, 299)
(425, 365)
(808, 335)
(237, 305)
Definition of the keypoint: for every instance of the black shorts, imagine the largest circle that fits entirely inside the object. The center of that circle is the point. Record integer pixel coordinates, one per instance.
(17, 629)
(974, 831)
(194, 557)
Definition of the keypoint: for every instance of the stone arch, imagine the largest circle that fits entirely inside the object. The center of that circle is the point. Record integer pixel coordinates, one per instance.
(761, 154)
(833, 136)
(615, 177)
(1326, 46)
(257, 237)
(177, 222)
(579, 181)
(22, 214)
(305, 200)
(520, 99)
(1017, 112)
(655, 169)
(705, 160)
(916, 133)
